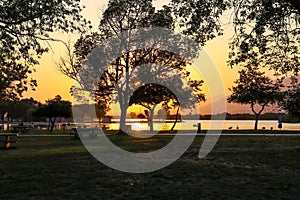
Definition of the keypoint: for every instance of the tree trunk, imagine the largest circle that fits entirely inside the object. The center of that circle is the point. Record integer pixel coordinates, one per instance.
(151, 118)
(176, 120)
(257, 114)
(256, 122)
(122, 96)
(124, 99)
(123, 119)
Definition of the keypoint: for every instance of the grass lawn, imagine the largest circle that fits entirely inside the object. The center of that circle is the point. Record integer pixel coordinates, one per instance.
(239, 167)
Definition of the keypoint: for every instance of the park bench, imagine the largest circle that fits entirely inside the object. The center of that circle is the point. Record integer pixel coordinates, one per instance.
(7, 139)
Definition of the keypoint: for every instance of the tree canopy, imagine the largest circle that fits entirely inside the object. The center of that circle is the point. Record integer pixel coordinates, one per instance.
(121, 16)
(199, 19)
(25, 25)
(18, 110)
(266, 37)
(256, 89)
(151, 95)
(291, 101)
(53, 109)
(267, 34)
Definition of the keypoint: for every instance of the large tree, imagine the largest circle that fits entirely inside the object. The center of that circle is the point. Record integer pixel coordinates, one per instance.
(267, 34)
(25, 27)
(123, 15)
(256, 89)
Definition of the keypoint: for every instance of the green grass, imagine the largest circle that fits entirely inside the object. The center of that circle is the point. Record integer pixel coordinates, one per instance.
(239, 167)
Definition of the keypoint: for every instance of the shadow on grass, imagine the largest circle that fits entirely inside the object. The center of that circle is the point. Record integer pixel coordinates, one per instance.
(237, 168)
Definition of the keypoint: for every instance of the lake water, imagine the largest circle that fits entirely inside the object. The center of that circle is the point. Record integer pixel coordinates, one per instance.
(211, 124)
(190, 125)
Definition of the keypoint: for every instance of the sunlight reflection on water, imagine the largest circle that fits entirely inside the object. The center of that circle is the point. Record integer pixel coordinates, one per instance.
(189, 125)
(192, 125)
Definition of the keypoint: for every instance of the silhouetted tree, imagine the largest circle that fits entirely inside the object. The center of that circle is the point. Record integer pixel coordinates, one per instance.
(151, 95)
(291, 100)
(19, 109)
(124, 15)
(53, 109)
(199, 19)
(24, 26)
(267, 35)
(256, 89)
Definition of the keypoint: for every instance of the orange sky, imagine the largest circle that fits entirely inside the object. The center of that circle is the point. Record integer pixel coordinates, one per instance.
(51, 82)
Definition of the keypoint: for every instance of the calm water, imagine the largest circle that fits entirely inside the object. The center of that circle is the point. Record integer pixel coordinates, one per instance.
(190, 125)
(211, 124)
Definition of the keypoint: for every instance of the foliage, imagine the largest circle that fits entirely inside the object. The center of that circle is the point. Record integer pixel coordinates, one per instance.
(267, 34)
(199, 19)
(19, 110)
(255, 88)
(123, 15)
(151, 95)
(291, 102)
(53, 109)
(24, 26)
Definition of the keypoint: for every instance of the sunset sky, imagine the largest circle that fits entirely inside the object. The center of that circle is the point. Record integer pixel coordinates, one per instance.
(51, 82)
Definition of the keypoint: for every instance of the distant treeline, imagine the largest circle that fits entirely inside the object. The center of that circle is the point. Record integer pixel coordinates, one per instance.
(244, 116)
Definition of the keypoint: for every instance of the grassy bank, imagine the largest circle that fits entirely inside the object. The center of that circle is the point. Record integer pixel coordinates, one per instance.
(239, 167)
